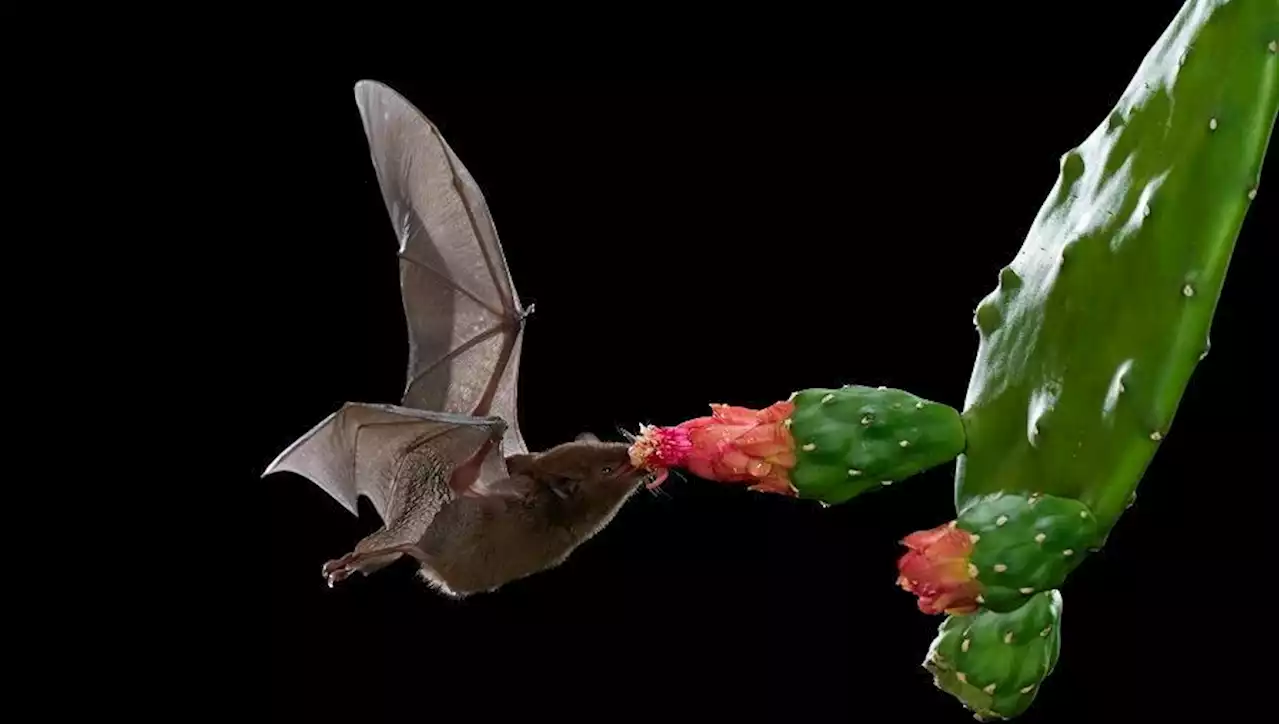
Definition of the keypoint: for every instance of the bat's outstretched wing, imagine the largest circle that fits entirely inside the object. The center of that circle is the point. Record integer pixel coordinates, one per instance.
(358, 449)
(464, 317)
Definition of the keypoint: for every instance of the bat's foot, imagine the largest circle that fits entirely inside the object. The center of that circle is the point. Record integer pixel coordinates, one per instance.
(339, 570)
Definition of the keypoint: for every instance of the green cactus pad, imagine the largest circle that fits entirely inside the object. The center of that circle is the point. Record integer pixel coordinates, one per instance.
(857, 438)
(1096, 326)
(994, 663)
(1026, 544)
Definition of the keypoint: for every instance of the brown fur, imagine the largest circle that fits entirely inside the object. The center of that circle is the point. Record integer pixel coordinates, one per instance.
(531, 522)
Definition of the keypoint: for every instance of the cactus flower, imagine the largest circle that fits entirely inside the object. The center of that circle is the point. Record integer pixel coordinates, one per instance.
(936, 568)
(732, 445)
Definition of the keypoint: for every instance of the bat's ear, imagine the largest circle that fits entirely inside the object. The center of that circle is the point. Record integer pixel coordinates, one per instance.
(586, 437)
(563, 488)
(519, 464)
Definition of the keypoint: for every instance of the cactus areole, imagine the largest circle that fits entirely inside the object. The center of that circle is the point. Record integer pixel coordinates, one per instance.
(1093, 332)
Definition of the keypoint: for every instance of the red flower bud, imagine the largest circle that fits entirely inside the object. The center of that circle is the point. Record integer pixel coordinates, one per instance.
(937, 570)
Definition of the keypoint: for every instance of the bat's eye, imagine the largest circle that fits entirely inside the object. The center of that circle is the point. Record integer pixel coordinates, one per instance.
(606, 470)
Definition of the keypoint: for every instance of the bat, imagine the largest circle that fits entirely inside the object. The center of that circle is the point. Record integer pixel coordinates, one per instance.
(447, 469)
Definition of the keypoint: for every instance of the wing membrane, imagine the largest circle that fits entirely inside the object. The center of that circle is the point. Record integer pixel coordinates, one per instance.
(355, 450)
(464, 317)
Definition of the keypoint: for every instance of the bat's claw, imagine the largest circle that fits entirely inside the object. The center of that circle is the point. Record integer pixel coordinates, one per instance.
(338, 571)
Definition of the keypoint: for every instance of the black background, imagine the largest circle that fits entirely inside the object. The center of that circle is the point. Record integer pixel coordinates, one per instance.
(731, 244)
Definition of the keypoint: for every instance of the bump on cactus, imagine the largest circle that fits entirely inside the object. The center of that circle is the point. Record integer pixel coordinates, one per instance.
(994, 663)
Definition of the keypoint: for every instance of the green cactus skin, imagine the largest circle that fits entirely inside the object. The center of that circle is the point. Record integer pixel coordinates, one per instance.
(857, 438)
(994, 663)
(1095, 328)
(1025, 544)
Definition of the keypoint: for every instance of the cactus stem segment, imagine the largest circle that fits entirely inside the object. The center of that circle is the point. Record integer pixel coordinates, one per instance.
(828, 398)
(993, 662)
(1188, 139)
(1003, 565)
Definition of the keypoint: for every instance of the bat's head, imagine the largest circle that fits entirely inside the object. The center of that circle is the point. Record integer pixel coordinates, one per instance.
(576, 489)
(588, 479)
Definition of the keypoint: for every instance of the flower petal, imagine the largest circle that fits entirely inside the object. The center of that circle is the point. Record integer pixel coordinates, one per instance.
(937, 570)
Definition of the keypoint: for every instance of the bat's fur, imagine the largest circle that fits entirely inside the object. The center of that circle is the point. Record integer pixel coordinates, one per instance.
(551, 503)
(445, 496)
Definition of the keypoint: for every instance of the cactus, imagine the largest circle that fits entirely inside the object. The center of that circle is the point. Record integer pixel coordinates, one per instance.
(1093, 332)
(1024, 544)
(1085, 348)
(1095, 328)
(994, 663)
(828, 445)
(856, 438)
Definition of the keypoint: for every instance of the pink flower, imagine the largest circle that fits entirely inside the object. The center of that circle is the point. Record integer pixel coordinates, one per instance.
(732, 445)
(937, 570)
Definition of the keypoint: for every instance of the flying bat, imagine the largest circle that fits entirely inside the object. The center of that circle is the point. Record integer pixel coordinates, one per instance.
(447, 469)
